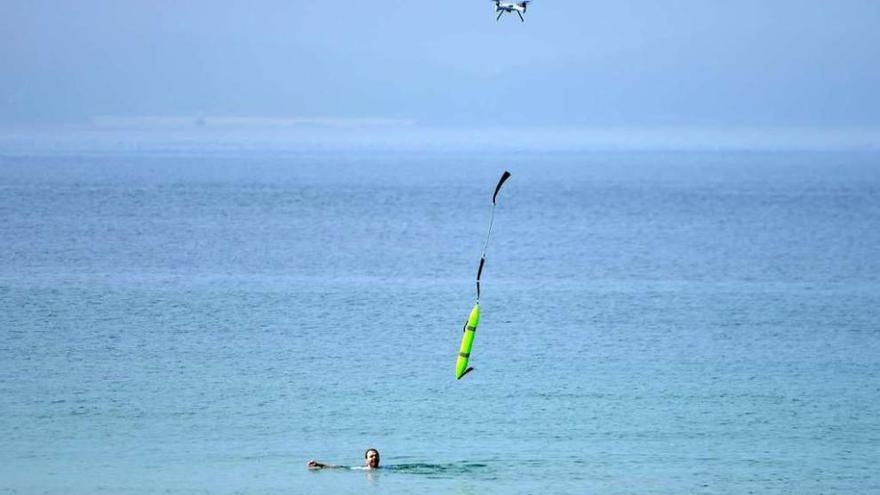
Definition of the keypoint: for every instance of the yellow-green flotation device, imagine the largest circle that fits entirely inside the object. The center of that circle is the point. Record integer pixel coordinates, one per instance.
(470, 328)
(467, 341)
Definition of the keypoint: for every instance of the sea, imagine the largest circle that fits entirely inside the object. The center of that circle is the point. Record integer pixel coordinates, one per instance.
(185, 317)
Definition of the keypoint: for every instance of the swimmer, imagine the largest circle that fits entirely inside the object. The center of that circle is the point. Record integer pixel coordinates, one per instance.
(371, 461)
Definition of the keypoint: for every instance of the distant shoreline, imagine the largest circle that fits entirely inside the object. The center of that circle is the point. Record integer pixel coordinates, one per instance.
(293, 135)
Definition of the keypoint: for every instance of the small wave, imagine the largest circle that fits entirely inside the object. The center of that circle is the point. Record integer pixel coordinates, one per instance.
(454, 468)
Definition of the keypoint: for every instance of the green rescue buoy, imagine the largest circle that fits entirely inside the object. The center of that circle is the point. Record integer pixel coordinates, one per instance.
(470, 328)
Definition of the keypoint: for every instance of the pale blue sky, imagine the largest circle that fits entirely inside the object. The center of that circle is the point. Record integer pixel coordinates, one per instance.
(637, 62)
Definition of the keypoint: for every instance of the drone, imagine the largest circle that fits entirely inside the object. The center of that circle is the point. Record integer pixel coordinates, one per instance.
(510, 7)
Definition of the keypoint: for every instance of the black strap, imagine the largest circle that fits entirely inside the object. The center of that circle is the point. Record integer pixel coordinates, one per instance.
(504, 177)
(480, 272)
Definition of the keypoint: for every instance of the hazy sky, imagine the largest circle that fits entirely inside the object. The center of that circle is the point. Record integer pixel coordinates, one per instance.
(573, 62)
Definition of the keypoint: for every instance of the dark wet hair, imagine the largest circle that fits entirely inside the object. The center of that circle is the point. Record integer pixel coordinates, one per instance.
(371, 449)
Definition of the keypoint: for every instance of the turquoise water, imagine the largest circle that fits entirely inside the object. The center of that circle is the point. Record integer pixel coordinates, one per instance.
(653, 322)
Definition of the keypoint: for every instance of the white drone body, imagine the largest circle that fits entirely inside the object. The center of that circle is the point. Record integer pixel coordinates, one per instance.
(511, 7)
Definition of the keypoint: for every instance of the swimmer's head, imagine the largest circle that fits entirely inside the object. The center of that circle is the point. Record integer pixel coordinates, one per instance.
(371, 458)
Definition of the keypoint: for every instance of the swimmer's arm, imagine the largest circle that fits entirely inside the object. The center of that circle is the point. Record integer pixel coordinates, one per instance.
(313, 464)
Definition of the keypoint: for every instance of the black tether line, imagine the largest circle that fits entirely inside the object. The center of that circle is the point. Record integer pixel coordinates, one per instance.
(504, 177)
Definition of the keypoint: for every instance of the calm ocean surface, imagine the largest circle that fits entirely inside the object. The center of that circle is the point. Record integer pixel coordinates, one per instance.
(653, 322)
